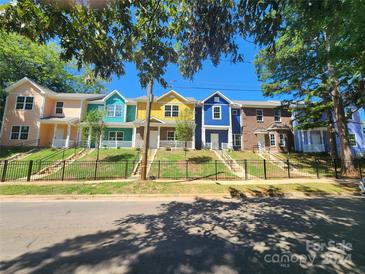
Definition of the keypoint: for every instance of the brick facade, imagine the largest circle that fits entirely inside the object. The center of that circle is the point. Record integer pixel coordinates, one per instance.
(250, 125)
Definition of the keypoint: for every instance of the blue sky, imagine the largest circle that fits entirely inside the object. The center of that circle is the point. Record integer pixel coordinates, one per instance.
(240, 76)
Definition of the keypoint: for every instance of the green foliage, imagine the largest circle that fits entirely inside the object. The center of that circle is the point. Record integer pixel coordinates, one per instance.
(94, 121)
(21, 57)
(185, 126)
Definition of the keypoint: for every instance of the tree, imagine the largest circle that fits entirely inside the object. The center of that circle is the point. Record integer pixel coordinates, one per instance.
(20, 57)
(94, 124)
(151, 34)
(185, 127)
(316, 58)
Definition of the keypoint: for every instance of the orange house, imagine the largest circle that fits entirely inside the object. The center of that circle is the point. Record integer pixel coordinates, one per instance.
(37, 116)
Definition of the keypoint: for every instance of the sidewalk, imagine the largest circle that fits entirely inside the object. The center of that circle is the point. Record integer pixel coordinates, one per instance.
(221, 182)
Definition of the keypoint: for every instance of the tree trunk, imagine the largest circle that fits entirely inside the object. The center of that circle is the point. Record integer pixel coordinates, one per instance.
(332, 136)
(347, 167)
(146, 133)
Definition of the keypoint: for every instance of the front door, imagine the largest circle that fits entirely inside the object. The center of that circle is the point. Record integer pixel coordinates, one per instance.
(59, 134)
(261, 142)
(214, 139)
(153, 139)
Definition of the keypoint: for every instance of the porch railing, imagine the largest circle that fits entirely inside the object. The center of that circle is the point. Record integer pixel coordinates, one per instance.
(313, 148)
(61, 143)
(116, 144)
(176, 144)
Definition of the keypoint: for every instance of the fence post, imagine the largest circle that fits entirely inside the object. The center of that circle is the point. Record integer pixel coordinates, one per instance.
(360, 171)
(158, 169)
(216, 170)
(246, 172)
(3, 177)
(126, 170)
(335, 165)
(265, 176)
(288, 165)
(186, 170)
(317, 168)
(96, 168)
(30, 167)
(63, 170)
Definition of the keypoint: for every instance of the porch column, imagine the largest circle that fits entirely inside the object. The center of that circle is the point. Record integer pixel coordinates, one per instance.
(54, 133)
(322, 140)
(89, 138)
(302, 143)
(203, 137)
(134, 137)
(193, 141)
(78, 135)
(158, 137)
(68, 135)
(230, 138)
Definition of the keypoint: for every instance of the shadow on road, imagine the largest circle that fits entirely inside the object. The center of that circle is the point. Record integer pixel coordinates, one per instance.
(213, 236)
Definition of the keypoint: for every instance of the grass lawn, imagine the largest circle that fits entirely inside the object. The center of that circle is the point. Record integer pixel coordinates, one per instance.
(112, 164)
(308, 189)
(178, 164)
(42, 158)
(306, 162)
(7, 152)
(255, 165)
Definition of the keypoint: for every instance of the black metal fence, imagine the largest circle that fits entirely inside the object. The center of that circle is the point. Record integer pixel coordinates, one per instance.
(190, 170)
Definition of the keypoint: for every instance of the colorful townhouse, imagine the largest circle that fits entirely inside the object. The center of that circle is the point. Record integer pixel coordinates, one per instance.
(37, 116)
(317, 139)
(165, 110)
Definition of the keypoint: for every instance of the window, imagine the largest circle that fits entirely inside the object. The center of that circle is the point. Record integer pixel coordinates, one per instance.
(363, 130)
(216, 99)
(236, 140)
(171, 136)
(175, 111)
(116, 136)
(24, 102)
(277, 115)
(217, 113)
(59, 107)
(235, 112)
(352, 139)
(272, 139)
(348, 113)
(19, 133)
(281, 139)
(114, 111)
(259, 115)
(171, 111)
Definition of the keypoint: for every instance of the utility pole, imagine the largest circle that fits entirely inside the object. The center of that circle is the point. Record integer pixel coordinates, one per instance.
(146, 133)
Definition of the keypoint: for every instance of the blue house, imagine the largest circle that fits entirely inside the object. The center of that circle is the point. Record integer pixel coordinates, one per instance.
(119, 116)
(217, 120)
(316, 140)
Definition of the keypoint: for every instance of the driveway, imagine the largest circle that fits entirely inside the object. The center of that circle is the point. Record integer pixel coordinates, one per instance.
(324, 235)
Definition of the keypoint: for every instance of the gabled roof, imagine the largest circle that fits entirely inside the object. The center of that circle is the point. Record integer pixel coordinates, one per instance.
(42, 90)
(220, 94)
(115, 92)
(174, 92)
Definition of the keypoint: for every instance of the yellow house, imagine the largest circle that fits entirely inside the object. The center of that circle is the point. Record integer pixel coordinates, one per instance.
(165, 111)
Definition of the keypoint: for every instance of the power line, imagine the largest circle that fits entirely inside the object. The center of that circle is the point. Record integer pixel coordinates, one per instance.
(215, 88)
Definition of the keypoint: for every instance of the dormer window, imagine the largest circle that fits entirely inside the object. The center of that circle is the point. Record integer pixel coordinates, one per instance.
(114, 111)
(24, 102)
(216, 99)
(59, 107)
(277, 115)
(217, 113)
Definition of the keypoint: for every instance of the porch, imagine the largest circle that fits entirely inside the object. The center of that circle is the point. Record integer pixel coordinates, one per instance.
(58, 132)
(217, 138)
(313, 140)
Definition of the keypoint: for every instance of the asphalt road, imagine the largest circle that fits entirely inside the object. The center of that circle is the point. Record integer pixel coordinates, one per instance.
(323, 235)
